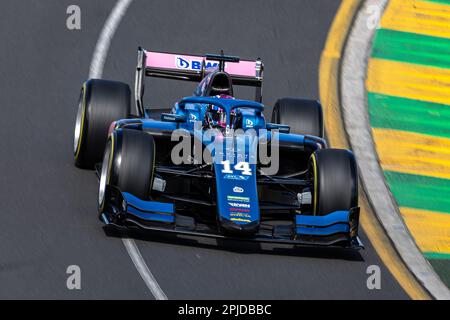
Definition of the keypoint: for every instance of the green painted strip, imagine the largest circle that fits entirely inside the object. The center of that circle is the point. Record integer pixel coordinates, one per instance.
(420, 192)
(437, 255)
(442, 267)
(409, 115)
(447, 2)
(412, 48)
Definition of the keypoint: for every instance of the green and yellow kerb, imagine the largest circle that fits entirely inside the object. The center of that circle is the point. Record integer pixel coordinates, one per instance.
(408, 84)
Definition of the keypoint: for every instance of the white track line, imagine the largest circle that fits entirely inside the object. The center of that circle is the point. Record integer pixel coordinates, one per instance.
(106, 35)
(96, 71)
(144, 271)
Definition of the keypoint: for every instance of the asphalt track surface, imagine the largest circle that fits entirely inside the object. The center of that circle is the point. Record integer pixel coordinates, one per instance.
(48, 207)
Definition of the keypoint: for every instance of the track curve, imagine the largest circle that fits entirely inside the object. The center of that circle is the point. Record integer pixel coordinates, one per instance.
(48, 206)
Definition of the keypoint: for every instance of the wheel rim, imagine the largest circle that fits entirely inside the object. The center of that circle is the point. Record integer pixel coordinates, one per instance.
(104, 176)
(77, 133)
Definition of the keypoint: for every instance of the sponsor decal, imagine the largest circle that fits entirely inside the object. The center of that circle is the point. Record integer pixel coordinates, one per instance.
(194, 64)
(238, 205)
(235, 177)
(249, 123)
(239, 199)
(242, 215)
(238, 189)
(182, 63)
(241, 220)
(239, 210)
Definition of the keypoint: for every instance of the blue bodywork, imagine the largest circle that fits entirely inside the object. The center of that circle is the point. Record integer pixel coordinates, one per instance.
(149, 210)
(237, 199)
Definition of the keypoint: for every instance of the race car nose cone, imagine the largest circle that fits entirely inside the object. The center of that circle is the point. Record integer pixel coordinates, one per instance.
(237, 227)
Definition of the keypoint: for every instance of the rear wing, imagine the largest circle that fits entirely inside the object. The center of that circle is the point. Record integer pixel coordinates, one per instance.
(194, 68)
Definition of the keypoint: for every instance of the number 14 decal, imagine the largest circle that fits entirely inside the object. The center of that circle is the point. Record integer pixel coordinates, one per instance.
(240, 166)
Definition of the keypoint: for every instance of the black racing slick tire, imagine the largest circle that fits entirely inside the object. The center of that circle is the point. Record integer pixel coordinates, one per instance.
(303, 116)
(101, 102)
(128, 164)
(335, 180)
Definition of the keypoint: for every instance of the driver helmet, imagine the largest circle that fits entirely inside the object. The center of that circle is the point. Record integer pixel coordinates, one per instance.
(216, 117)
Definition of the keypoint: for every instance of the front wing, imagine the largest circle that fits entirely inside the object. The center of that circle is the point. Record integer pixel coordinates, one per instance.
(123, 210)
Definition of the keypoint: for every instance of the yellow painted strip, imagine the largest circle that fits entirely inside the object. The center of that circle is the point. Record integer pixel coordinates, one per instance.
(328, 85)
(389, 256)
(431, 229)
(329, 71)
(422, 17)
(413, 153)
(409, 81)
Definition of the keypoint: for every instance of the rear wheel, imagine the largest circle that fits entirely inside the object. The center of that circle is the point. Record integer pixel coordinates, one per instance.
(101, 102)
(301, 115)
(128, 164)
(335, 181)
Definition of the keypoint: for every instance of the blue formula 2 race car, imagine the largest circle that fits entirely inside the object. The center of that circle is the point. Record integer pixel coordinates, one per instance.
(213, 166)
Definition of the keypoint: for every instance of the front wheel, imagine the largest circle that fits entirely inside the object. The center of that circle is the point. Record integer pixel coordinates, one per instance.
(128, 164)
(335, 181)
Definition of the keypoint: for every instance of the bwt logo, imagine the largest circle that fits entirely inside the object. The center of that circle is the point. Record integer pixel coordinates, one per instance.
(182, 63)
